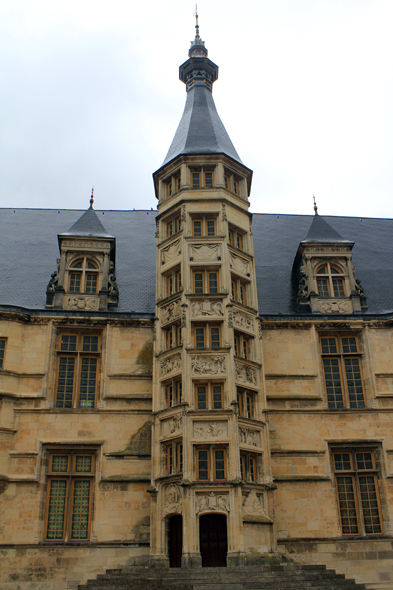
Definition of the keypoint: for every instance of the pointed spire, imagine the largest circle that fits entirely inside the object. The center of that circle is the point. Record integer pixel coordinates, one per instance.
(320, 231)
(315, 206)
(196, 22)
(92, 198)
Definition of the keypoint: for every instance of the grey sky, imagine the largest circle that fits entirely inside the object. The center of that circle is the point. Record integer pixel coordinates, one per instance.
(90, 96)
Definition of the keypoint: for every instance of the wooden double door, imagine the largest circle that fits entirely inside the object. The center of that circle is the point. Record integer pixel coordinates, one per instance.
(213, 540)
(175, 540)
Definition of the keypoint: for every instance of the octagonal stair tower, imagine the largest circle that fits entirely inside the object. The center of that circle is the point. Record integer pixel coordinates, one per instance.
(211, 479)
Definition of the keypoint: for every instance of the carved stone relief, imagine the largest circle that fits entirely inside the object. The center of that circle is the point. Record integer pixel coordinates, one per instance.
(252, 505)
(173, 500)
(3, 486)
(175, 423)
(211, 502)
(170, 364)
(208, 430)
(242, 320)
(171, 311)
(86, 303)
(86, 245)
(208, 365)
(205, 251)
(246, 373)
(335, 306)
(240, 264)
(224, 213)
(303, 283)
(248, 436)
(171, 252)
(206, 308)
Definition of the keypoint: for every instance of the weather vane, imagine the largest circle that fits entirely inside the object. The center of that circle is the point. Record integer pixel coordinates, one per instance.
(196, 20)
(315, 206)
(92, 198)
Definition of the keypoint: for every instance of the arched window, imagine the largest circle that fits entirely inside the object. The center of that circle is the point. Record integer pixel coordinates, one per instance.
(329, 281)
(83, 276)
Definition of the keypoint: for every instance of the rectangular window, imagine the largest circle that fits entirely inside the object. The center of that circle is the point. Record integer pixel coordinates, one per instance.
(208, 179)
(236, 237)
(172, 185)
(205, 281)
(204, 226)
(172, 336)
(357, 491)
(246, 403)
(211, 464)
(248, 467)
(77, 370)
(173, 393)
(239, 290)
(91, 282)
(69, 496)
(75, 282)
(242, 345)
(343, 372)
(173, 281)
(2, 352)
(207, 336)
(196, 179)
(173, 224)
(174, 457)
(209, 396)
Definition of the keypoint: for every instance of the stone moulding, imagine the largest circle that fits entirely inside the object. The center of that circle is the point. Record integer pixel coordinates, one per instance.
(246, 373)
(211, 503)
(170, 364)
(208, 365)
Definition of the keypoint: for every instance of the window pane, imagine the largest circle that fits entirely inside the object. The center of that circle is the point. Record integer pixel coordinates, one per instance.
(65, 382)
(215, 337)
(203, 472)
(323, 287)
(354, 383)
(217, 397)
(83, 464)
(90, 265)
(67, 343)
(364, 460)
(80, 510)
(347, 504)
(201, 398)
(338, 287)
(369, 500)
(75, 282)
(195, 180)
(2, 348)
(349, 345)
(87, 387)
(342, 461)
(91, 282)
(329, 345)
(219, 464)
(333, 383)
(77, 264)
(197, 224)
(56, 509)
(90, 344)
(59, 463)
(198, 278)
(211, 230)
(213, 283)
(208, 179)
(200, 337)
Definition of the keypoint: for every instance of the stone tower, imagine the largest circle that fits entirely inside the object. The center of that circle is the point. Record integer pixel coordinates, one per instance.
(211, 479)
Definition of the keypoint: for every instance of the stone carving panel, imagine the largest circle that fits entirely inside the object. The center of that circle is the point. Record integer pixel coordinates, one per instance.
(208, 365)
(207, 307)
(171, 312)
(175, 423)
(171, 252)
(249, 436)
(173, 500)
(252, 505)
(205, 252)
(170, 364)
(335, 306)
(209, 430)
(243, 320)
(240, 264)
(212, 502)
(81, 303)
(246, 373)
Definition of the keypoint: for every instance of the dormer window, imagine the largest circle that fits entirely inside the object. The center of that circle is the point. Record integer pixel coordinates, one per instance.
(83, 276)
(329, 281)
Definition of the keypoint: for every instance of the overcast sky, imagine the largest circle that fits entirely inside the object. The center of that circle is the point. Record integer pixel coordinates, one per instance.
(90, 96)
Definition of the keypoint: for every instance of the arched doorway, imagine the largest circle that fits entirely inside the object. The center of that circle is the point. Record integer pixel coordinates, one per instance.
(175, 540)
(213, 540)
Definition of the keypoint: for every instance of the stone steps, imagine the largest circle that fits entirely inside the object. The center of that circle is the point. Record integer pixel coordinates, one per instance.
(264, 577)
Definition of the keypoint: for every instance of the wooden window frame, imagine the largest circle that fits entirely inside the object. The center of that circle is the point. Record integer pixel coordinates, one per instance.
(202, 180)
(249, 467)
(205, 330)
(205, 221)
(236, 238)
(84, 272)
(351, 483)
(210, 395)
(78, 355)
(211, 451)
(174, 456)
(173, 392)
(172, 336)
(246, 401)
(173, 281)
(329, 290)
(3, 344)
(206, 282)
(239, 290)
(243, 345)
(70, 477)
(232, 182)
(173, 224)
(340, 379)
(172, 185)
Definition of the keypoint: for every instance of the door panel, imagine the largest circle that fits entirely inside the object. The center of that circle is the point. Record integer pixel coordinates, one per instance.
(175, 540)
(213, 540)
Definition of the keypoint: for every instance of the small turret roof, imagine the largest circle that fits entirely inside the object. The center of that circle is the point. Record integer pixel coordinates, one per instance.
(321, 231)
(88, 225)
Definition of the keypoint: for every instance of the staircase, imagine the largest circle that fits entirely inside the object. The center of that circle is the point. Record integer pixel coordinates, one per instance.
(264, 577)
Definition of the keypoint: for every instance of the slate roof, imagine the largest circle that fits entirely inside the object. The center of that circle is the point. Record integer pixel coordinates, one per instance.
(321, 231)
(201, 130)
(30, 248)
(88, 225)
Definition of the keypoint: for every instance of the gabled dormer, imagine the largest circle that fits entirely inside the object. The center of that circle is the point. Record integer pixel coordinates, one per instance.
(325, 273)
(85, 278)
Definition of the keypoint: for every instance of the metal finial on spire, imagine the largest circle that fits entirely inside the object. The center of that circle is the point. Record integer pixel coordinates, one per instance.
(315, 206)
(196, 22)
(92, 198)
